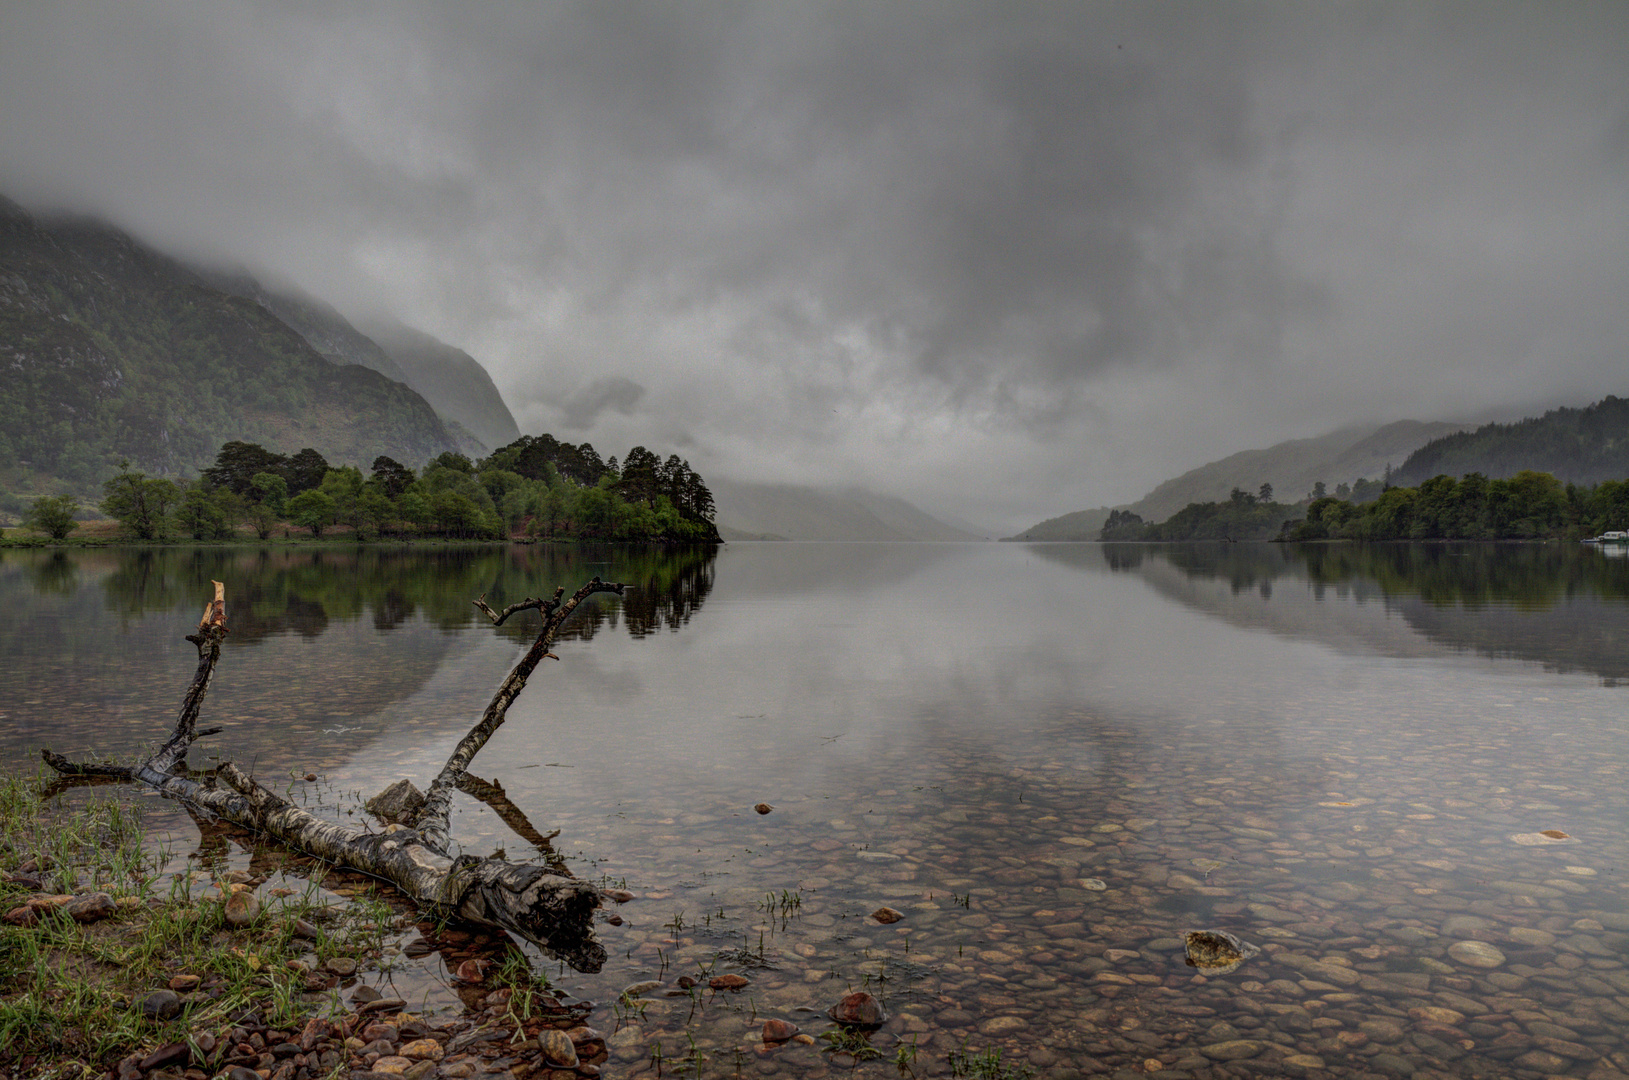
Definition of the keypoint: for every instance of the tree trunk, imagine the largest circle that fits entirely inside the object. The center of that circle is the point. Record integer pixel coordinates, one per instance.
(542, 904)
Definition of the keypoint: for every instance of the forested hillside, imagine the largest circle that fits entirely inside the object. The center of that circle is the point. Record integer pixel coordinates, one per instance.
(1581, 446)
(115, 352)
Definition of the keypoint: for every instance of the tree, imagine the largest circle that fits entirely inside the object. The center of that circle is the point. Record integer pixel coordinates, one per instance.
(53, 515)
(261, 518)
(451, 459)
(238, 463)
(205, 513)
(270, 490)
(141, 503)
(1265, 494)
(305, 471)
(391, 476)
(312, 510)
(1318, 491)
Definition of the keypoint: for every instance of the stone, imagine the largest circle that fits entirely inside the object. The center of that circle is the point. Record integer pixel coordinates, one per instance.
(175, 1053)
(393, 1065)
(399, 803)
(422, 1050)
(859, 1009)
(242, 908)
(763, 808)
(343, 966)
(91, 907)
(1216, 952)
(1477, 954)
(159, 1005)
(556, 1049)
(472, 971)
(729, 982)
(1232, 1050)
(779, 1030)
(999, 1026)
(887, 915)
(27, 915)
(308, 931)
(185, 982)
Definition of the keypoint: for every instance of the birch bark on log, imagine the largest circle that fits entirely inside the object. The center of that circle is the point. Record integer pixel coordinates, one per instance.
(538, 903)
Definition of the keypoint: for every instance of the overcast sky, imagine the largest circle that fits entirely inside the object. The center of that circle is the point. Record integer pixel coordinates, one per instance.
(1005, 260)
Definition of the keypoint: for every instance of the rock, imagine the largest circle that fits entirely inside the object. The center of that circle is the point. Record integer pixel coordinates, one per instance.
(91, 907)
(763, 808)
(1092, 884)
(729, 982)
(621, 896)
(343, 966)
(556, 1049)
(859, 1009)
(887, 915)
(362, 995)
(1216, 952)
(1232, 1050)
(308, 931)
(776, 1031)
(422, 1050)
(159, 1005)
(645, 986)
(26, 915)
(175, 1053)
(472, 971)
(185, 982)
(1477, 954)
(310, 776)
(392, 1065)
(999, 1026)
(398, 803)
(242, 908)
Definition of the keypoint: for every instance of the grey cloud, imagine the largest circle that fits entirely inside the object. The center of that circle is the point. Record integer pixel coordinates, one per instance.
(612, 392)
(1079, 244)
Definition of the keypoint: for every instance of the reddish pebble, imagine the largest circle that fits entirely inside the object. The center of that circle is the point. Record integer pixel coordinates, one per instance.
(763, 808)
(779, 1030)
(859, 1009)
(729, 982)
(886, 915)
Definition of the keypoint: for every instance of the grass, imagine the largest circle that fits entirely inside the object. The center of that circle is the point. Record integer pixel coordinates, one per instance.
(985, 1064)
(67, 989)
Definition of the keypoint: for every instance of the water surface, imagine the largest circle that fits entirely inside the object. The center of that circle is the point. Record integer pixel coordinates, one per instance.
(1052, 759)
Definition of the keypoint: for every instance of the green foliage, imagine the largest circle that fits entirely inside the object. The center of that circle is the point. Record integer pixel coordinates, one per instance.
(1527, 506)
(312, 510)
(53, 515)
(139, 502)
(270, 490)
(208, 513)
(1242, 517)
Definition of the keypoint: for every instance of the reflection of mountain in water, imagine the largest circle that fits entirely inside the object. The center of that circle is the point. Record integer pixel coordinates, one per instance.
(1563, 606)
(318, 638)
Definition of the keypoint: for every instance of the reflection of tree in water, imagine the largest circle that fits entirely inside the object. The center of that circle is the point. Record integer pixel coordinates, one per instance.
(1525, 576)
(1565, 606)
(292, 591)
(56, 574)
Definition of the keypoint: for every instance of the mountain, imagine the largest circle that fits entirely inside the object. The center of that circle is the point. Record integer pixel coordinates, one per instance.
(117, 352)
(1293, 467)
(1080, 525)
(453, 382)
(1583, 446)
(749, 511)
(450, 379)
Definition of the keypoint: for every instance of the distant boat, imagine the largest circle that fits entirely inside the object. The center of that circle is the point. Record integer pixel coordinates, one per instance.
(1616, 536)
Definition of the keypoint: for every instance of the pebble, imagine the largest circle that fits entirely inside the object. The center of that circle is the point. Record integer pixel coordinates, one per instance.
(159, 1005)
(859, 1009)
(887, 915)
(242, 908)
(1477, 954)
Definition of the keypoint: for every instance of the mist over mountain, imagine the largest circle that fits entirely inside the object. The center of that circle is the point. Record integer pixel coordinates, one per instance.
(1583, 446)
(450, 378)
(117, 352)
(1292, 468)
(758, 511)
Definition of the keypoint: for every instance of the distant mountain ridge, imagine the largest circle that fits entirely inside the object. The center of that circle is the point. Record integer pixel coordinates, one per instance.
(1582, 446)
(1292, 468)
(116, 351)
(753, 511)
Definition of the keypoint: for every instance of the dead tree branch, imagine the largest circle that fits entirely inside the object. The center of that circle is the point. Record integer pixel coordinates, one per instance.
(546, 907)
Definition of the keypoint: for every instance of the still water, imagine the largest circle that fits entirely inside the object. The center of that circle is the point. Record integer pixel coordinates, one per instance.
(1401, 771)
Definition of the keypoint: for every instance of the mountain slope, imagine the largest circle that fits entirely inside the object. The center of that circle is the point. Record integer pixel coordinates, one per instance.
(1292, 467)
(1583, 446)
(451, 379)
(792, 512)
(114, 351)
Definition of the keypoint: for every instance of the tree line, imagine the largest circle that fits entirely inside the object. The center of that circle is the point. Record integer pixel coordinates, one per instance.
(1527, 506)
(534, 487)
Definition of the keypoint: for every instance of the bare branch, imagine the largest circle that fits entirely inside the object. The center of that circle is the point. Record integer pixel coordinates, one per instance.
(545, 606)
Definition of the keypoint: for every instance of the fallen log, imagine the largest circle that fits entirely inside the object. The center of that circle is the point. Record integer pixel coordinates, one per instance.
(542, 904)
